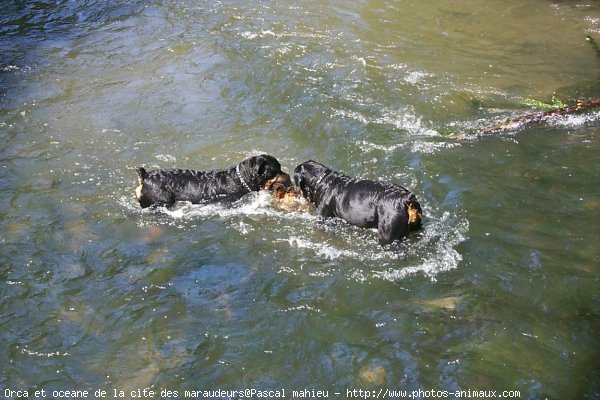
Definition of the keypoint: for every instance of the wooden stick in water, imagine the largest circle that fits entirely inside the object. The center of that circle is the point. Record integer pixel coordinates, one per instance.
(580, 106)
(518, 122)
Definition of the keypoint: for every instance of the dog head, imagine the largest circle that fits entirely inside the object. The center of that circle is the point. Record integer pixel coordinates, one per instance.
(307, 175)
(257, 171)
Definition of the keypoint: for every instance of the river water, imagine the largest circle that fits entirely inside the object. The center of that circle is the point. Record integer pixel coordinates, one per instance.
(500, 291)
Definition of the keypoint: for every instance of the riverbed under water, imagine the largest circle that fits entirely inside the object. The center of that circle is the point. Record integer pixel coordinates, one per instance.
(499, 291)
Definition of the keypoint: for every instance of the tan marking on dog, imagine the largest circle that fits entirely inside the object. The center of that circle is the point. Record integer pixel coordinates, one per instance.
(138, 190)
(414, 216)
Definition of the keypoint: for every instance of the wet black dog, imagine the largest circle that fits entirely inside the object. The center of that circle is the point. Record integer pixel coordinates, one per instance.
(392, 209)
(166, 186)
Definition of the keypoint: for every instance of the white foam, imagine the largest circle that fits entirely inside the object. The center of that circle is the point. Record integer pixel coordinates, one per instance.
(369, 146)
(402, 119)
(420, 146)
(406, 120)
(303, 307)
(442, 236)
(430, 252)
(574, 120)
(417, 146)
(253, 204)
(353, 115)
(9, 68)
(415, 77)
(321, 249)
(166, 158)
(435, 250)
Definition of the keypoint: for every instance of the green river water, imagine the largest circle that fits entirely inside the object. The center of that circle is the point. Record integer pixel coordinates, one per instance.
(499, 292)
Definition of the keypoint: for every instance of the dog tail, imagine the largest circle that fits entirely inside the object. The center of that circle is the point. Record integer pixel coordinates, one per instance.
(141, 171)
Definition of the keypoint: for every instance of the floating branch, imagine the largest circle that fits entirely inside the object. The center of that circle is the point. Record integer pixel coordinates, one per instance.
(518, 122)
(560, 110)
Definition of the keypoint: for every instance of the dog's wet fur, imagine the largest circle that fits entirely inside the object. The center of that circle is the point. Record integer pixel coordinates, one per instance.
(165, 187)
(392, 209)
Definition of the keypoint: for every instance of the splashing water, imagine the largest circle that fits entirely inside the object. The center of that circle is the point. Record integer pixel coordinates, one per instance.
(332, 239)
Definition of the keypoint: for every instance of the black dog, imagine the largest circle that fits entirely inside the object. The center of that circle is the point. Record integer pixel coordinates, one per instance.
(392, 209)
(165, 187)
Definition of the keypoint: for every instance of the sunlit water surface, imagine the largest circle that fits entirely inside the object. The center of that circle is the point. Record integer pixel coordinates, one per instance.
(499, 291)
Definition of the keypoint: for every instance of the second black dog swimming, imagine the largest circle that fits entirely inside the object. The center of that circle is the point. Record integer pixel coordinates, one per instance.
(392, 209)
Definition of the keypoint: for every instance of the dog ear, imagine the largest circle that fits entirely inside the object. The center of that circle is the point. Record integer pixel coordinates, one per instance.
(141, 171)
(302, 185)
(297, 176)
(300, 180)
(305, 189)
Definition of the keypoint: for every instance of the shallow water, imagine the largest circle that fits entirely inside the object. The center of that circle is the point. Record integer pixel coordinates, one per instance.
(499, 291)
